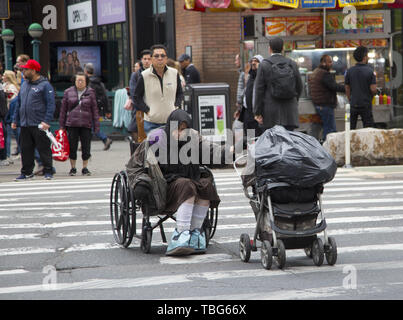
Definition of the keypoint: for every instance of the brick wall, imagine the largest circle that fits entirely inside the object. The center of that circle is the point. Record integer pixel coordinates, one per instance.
(215, 40)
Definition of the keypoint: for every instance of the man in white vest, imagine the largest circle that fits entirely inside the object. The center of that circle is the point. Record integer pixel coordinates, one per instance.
(158, 91)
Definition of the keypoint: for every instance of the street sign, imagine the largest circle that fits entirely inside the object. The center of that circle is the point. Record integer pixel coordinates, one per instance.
(4, 9)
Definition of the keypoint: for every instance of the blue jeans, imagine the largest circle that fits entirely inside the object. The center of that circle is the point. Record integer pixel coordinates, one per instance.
(326, 114)
(100, 135)
(8, 139)
(148, 126)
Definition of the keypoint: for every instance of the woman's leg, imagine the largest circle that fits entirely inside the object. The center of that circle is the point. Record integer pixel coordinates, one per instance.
(200, 210)
(184, 215)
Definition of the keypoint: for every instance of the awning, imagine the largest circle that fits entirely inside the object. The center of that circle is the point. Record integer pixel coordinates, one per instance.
(234, 5)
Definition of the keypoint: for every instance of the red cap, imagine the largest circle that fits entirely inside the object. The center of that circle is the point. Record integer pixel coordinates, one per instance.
(32, 64)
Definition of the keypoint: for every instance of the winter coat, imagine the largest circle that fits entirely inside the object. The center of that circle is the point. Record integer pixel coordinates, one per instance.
(275, 111)
(35, 103)
(75, 113)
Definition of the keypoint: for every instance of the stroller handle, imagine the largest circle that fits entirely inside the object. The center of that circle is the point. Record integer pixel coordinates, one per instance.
(235, 162)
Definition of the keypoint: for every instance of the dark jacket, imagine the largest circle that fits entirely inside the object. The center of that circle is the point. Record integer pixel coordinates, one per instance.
(75, 113)
(191, 74)
(274, 111)
(101, 95)
(323, 88)
(35, 103)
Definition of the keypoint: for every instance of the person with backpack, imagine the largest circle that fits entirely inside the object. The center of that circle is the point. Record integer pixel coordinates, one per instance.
(102, 101)
(278, 86)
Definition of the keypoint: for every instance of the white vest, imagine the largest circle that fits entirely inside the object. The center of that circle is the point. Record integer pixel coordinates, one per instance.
(161, 103)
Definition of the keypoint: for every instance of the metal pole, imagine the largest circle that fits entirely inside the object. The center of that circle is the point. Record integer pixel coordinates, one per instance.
(347, 138)
(324, 29)
(35, 48)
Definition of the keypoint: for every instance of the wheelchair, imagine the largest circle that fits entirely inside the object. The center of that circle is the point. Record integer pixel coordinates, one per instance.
(126, 205)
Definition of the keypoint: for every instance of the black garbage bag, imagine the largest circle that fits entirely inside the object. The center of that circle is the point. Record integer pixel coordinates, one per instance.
(292, 157)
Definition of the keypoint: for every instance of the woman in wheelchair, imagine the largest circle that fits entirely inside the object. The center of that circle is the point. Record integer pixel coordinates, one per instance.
(179, 150)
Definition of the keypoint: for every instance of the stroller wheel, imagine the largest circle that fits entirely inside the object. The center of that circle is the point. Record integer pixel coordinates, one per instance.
(281, 255)
(245, 247)
(308, 252)
(331, 252)
(266, 255)
(318, 252)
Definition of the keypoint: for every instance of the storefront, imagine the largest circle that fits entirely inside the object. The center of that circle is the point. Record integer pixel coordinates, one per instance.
(102, 20)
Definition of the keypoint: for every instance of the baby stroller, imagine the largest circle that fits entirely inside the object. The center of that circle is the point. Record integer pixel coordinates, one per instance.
(127, 204)
(286, 218)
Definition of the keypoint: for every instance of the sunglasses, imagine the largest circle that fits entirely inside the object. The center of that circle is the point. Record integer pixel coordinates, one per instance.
(159, 56)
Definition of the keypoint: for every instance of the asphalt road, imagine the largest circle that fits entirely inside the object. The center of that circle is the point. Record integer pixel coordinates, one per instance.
(56, 243)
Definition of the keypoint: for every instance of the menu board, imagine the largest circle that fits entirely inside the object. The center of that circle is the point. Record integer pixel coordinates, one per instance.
(293, 26)
(365, 23)
(371, 43)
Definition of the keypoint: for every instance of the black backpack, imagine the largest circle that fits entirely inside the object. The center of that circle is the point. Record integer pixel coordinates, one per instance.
(100, 95)
(283, 82)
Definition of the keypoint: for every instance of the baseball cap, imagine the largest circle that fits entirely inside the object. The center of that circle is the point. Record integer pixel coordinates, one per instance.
(32, 64)
(184, 57)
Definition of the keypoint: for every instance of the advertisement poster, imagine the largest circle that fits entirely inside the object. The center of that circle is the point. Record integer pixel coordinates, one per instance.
(71, 60)
(212, 117)
(293, 26)
(79, 15)
(276, 26)
(346, 3)
(111, 11)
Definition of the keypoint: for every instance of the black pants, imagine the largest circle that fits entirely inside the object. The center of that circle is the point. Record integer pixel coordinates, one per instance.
(85, 135)
(366, 116)
(31, 138)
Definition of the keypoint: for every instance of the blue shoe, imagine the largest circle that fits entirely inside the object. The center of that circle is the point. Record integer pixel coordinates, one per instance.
(48, 176)
(24, 177)
(180, 244)
(198, 241)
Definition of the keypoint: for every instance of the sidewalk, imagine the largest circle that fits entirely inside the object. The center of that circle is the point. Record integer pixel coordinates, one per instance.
(104, 164)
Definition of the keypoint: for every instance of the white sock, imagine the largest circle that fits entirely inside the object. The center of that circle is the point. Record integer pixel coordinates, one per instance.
(198, 216)
(184, 216)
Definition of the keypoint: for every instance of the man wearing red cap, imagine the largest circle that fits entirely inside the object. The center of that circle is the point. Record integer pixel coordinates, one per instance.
(35, 106)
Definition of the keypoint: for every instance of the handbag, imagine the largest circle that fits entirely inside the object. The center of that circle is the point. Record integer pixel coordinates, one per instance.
(1, 135)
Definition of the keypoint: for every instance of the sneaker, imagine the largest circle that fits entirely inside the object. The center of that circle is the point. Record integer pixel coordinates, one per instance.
(73, 172)
(108, 143)
(24, 177)
(4, 163)
(85, 172)
(48, 176)
(180, 244)
(10, 160)
(198, 241)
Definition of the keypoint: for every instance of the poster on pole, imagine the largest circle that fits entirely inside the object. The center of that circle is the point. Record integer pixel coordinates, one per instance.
(212, 117)
(4, 9)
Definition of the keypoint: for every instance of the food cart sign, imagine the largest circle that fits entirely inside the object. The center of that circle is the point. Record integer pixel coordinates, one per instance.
(212, 117)
(318, 3)
(346, 3)
(286, 3)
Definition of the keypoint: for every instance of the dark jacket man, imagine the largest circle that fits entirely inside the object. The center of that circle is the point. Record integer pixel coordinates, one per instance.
(275, 111)
(189, 71)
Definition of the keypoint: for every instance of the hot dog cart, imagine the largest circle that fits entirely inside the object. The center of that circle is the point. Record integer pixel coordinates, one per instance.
(308, 35)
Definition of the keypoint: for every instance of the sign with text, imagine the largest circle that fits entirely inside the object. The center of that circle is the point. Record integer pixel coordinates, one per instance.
(111, 11)
(346, 3)
(4, 9)
(212, 117)
(286, 3)
(79, 15)
(318, 3)
(252, 4)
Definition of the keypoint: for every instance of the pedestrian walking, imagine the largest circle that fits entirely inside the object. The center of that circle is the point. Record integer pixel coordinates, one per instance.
(189, 71)
(360, 83)
(158, 91)
(247, 116)
(35, 106)
(11, 90)
(136, 126)
(101, 95)
(3, 132)
(78, 115)
(323, 89)
(278, 86)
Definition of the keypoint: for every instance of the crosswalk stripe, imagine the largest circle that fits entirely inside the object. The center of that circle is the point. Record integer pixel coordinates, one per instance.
(164, 280)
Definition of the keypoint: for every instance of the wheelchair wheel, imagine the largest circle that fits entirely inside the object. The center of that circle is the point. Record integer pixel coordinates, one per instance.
(146, 237)
(266, 255)
(121, 210)
(318, 252)
(245, 247)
